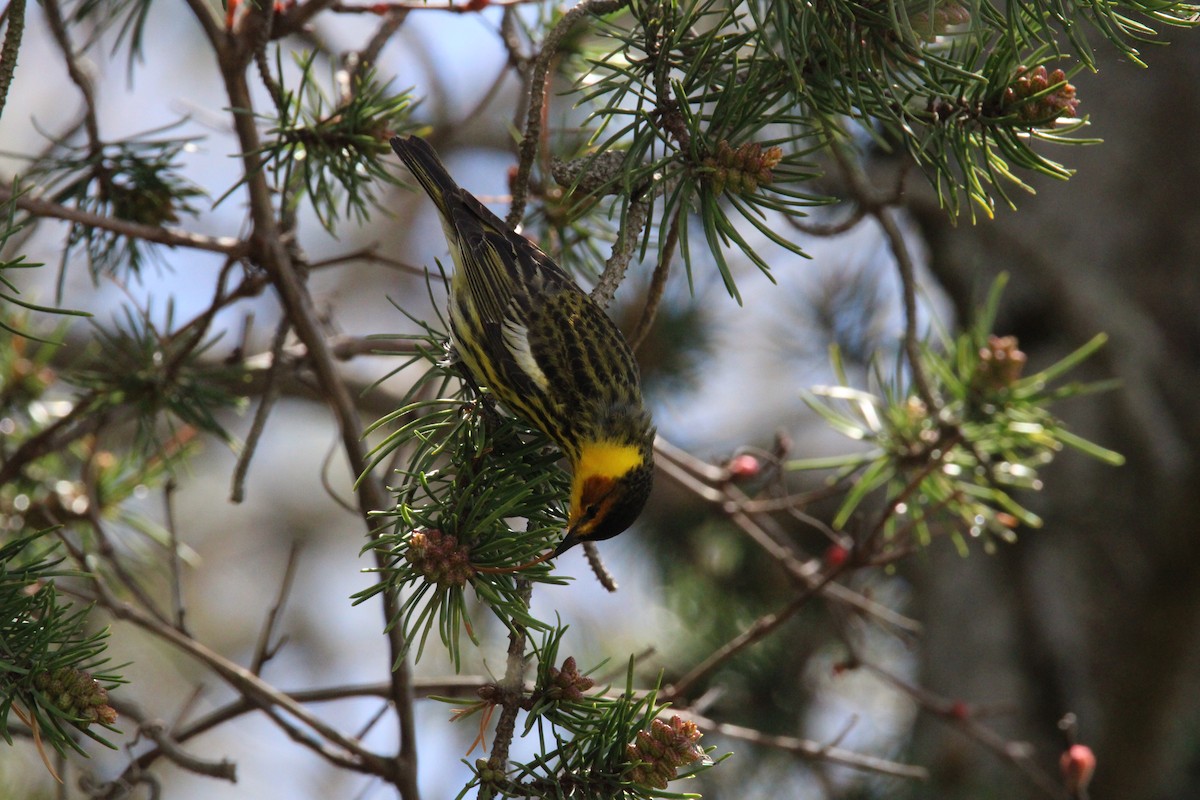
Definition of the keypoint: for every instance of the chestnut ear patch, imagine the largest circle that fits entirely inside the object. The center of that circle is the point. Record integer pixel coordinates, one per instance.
(594, 497)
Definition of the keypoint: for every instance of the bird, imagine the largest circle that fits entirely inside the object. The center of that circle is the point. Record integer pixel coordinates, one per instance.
(547, 351)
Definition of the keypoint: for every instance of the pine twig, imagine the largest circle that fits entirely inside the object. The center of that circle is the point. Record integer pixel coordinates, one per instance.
(270, 394)
(172, 237)
(658, 284)
(11, 47)
(510, 692)
(527, 150)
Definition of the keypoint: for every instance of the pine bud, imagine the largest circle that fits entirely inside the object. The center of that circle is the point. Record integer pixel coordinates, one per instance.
(1020, 98)
(77, 694)
(567, 683)
(743, 170)
(660, 750)
(439, 558)
(1000, 363)
(945, 16)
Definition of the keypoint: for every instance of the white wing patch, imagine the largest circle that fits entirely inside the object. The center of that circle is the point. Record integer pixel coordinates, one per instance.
(516, 339)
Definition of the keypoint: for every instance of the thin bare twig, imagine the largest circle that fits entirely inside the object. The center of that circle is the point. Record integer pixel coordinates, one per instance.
(242, 706)
(710, 482)
(826, 229)
(394, 6)
(370, 253)
(360, 61)
(808, 749)
(174, 559)
(267, 646)
(270, 394)
(959, 714)
(658, 284)
(257, 691)
(880, 208)
(755, 632)
(156, 731)
(58, 28)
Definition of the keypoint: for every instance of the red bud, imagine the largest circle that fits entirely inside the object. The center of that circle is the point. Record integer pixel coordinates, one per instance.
(835, 556)
(1077, 764)
(743, 467)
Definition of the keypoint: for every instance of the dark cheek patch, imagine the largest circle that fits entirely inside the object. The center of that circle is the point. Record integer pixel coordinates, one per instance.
(597, 491)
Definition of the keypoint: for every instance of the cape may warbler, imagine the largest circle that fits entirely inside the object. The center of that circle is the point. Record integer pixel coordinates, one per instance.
(526, 331)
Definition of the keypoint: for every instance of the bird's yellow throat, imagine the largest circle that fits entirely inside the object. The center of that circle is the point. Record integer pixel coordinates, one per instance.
(607, 459)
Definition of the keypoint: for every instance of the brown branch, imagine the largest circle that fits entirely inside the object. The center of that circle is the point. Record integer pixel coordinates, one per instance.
(808, 749)
(211, 24)
(266, 648)
(658, 284)
(270, 393)
(58, 28)
(156, 731)
(254, 689)
(172, 237)
(510, 691)
(359, 61)
(298, 17)
(270, 250)
(511, 40)
(827, 229)
(710, 483)
(242, 706)
(760, 629)
(176, 567)
(369, 253)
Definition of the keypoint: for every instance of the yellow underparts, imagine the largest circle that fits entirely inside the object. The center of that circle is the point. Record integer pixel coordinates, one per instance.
(600, 465)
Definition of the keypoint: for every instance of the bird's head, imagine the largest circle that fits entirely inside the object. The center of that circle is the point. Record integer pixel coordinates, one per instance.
(609, 486)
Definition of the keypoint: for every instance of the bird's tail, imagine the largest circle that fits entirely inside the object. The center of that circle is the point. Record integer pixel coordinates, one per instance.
(428, 169)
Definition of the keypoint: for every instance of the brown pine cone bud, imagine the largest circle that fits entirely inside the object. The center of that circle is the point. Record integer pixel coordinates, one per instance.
(1020, 96)
(439, 558)
(567, 683)
(659, 751)
(743, 170)
(77, 694)
(1000, 363)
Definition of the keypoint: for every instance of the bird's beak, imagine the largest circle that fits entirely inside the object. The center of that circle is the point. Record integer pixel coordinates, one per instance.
(569, 541)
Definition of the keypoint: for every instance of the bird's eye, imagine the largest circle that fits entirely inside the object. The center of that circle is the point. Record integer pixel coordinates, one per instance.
(591, 511)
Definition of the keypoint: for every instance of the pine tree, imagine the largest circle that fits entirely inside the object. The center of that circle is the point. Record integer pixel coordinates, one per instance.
(697, 133)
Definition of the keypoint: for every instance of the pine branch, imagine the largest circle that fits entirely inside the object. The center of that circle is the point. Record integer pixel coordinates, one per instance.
(11, 47)
(172, 237)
